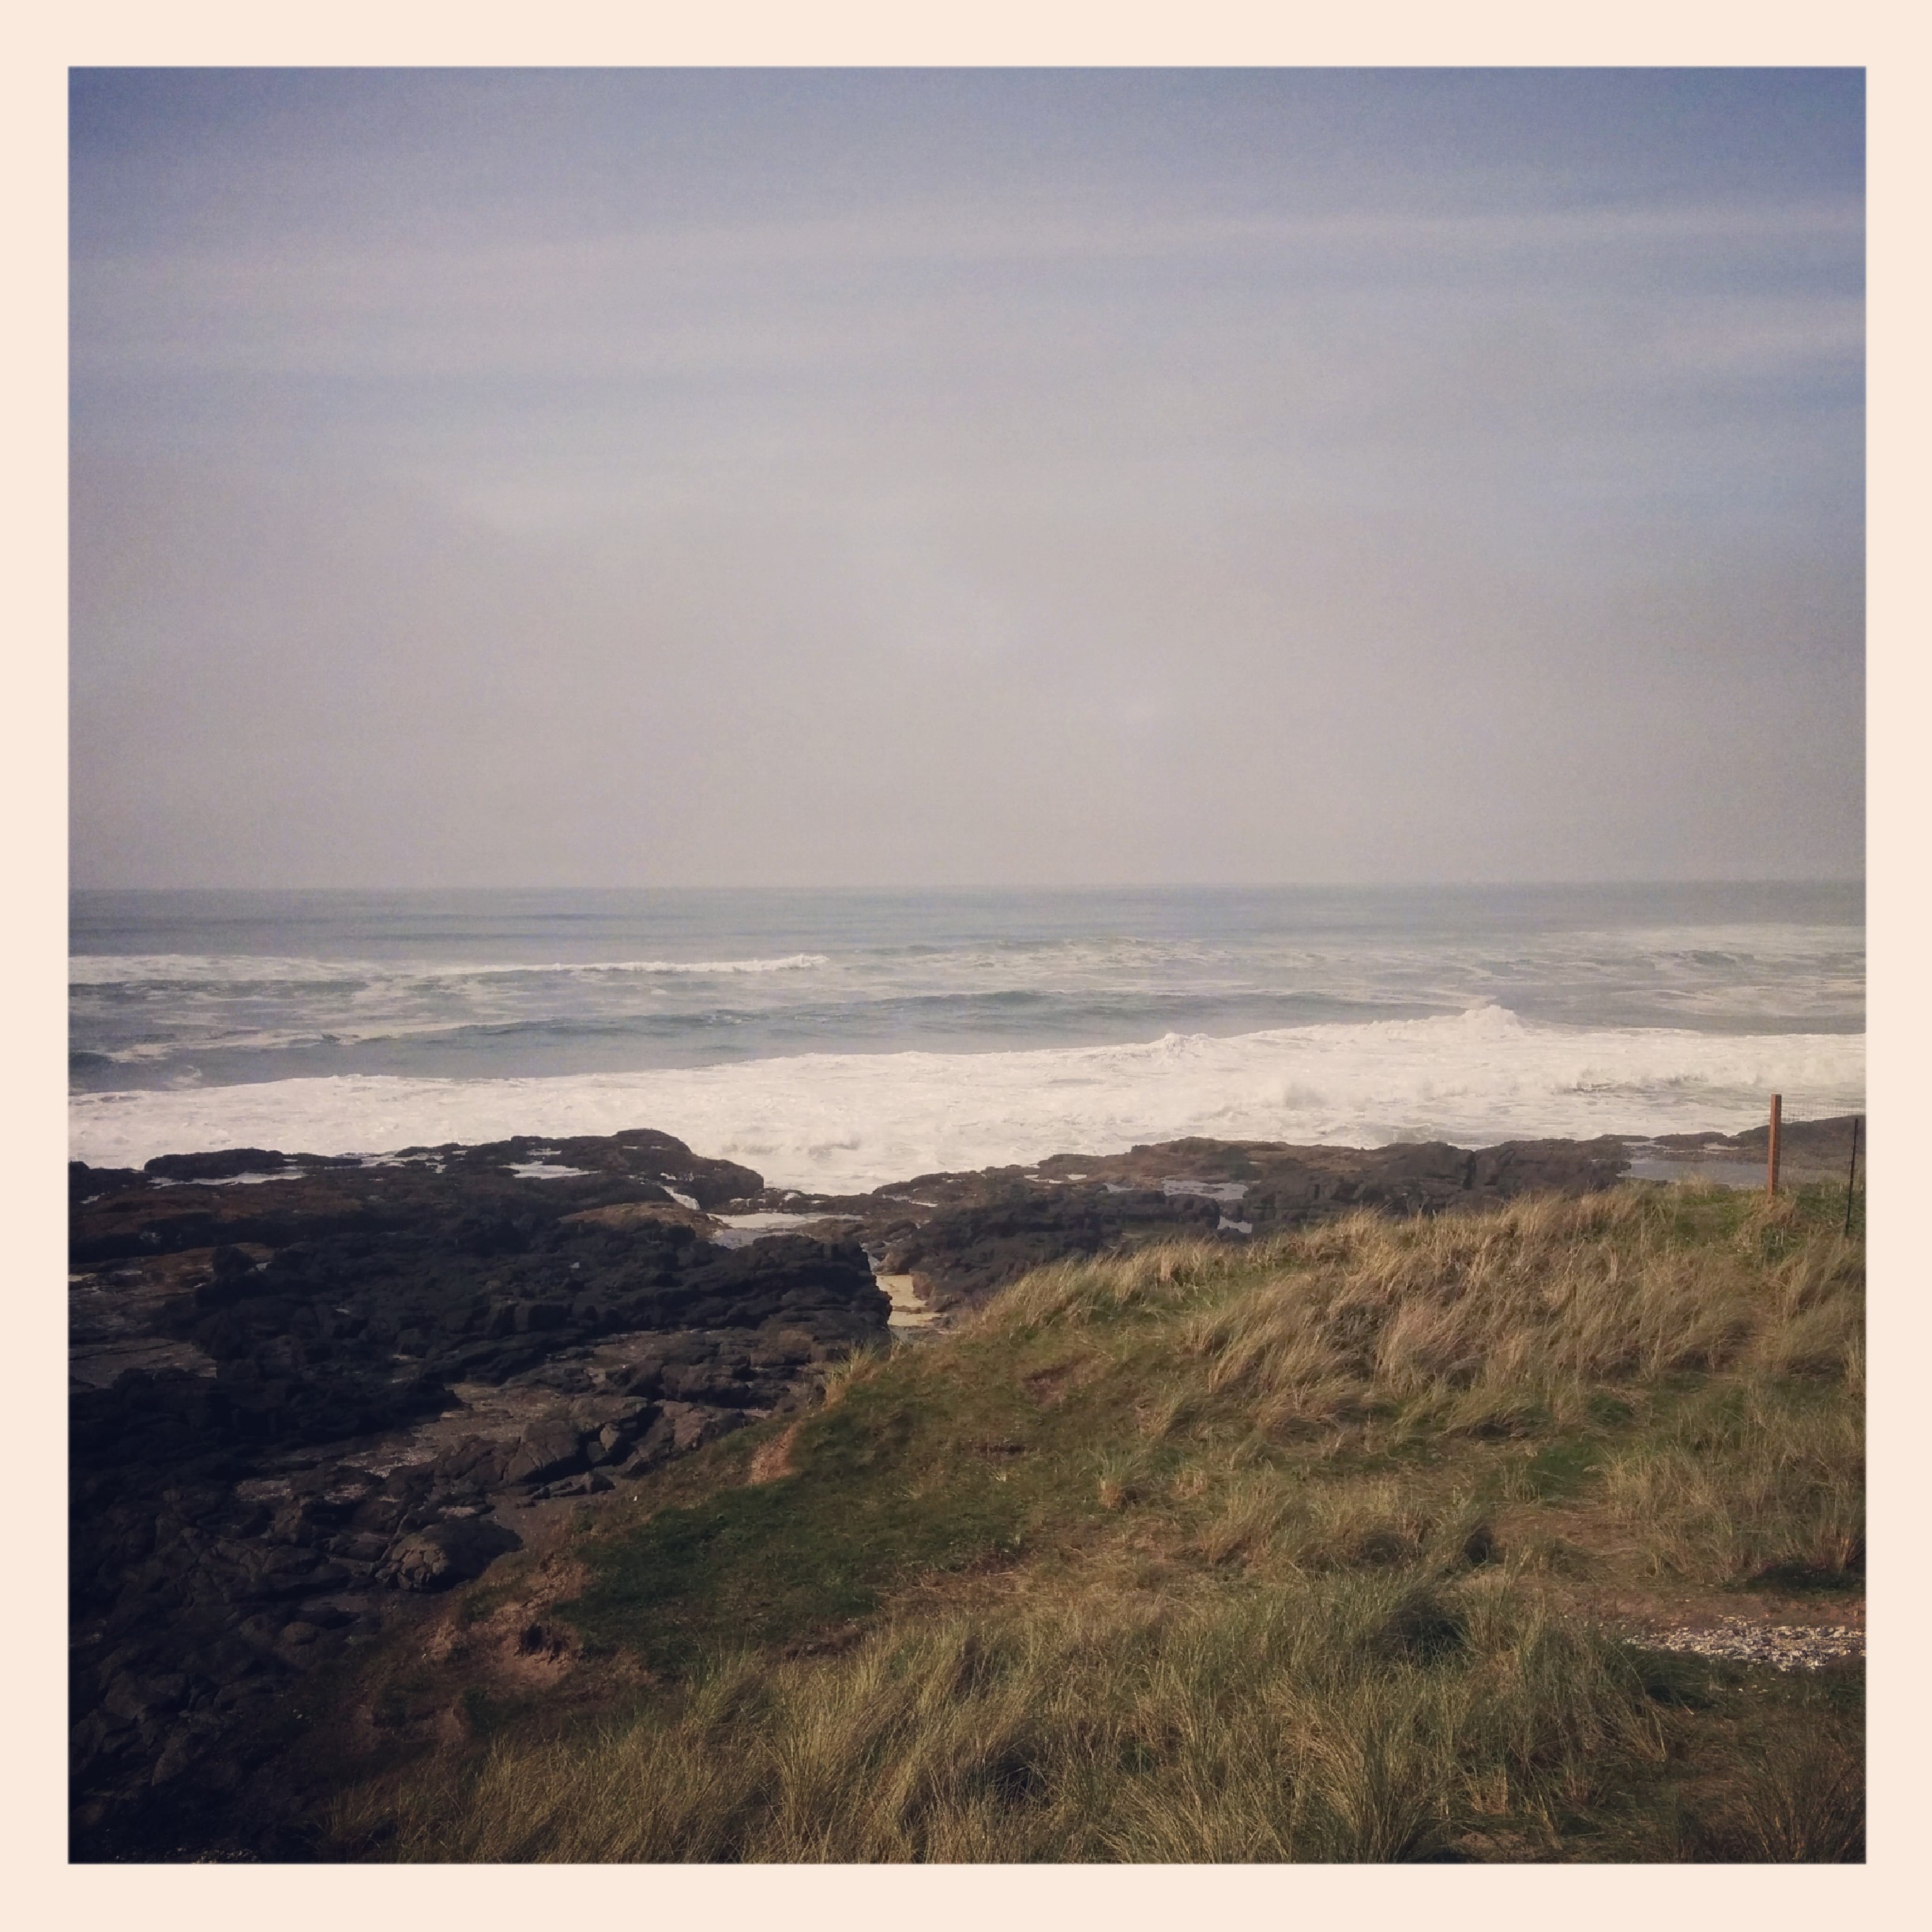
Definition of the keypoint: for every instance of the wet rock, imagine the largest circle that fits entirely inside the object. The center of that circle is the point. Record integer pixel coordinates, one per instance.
(223, 1165)
(85, 1183)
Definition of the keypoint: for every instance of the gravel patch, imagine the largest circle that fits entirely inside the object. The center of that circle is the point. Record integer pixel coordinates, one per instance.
(1784, 1646)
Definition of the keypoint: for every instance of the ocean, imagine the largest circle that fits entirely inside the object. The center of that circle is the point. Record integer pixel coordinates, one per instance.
(840, 1040)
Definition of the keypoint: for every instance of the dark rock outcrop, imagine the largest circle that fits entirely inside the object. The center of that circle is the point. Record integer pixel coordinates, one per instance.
(448, 1552)
(297, 1402)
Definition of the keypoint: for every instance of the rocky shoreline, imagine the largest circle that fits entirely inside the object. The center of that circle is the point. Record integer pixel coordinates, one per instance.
(307, 1390)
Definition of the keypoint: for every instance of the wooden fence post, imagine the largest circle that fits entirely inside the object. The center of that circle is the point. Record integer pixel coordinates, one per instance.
(1771, 1163)
(1852, 1175)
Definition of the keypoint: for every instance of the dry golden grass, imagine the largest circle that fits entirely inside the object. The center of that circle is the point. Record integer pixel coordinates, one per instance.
(1323, 1725)
(1514, 1327)
(1548, 1292)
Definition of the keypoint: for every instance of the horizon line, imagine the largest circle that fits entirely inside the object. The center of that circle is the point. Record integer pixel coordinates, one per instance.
(1229, 885)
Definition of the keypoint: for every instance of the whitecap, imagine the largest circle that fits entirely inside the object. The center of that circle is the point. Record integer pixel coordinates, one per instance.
(842, 1122)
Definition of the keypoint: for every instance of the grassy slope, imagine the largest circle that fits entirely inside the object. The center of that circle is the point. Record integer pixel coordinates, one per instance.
(1293, 1552)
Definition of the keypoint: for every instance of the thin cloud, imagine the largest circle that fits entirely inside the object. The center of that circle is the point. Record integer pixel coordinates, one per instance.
(882, 479)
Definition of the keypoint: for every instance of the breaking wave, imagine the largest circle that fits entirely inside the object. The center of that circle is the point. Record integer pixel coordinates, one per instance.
(850, 1121)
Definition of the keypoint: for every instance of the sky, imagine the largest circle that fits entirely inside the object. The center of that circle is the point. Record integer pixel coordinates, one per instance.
(963, 478)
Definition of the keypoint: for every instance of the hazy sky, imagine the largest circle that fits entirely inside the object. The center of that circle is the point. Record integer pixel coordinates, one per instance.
(687, 477)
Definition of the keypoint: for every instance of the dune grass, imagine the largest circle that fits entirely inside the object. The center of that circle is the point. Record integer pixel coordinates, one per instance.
(1282, 1553)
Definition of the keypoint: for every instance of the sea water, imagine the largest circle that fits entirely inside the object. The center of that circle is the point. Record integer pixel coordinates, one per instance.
(845, 1039)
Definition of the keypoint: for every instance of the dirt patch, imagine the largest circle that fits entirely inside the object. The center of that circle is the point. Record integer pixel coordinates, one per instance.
(514, 1643)
(773, 1459)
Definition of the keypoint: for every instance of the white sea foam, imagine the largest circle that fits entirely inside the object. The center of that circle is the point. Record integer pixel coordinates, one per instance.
(852, 1121)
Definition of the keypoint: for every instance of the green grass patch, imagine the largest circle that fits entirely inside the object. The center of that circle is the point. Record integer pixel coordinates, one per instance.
(1560, 1470)
(487, 1714)
(886, 1488)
